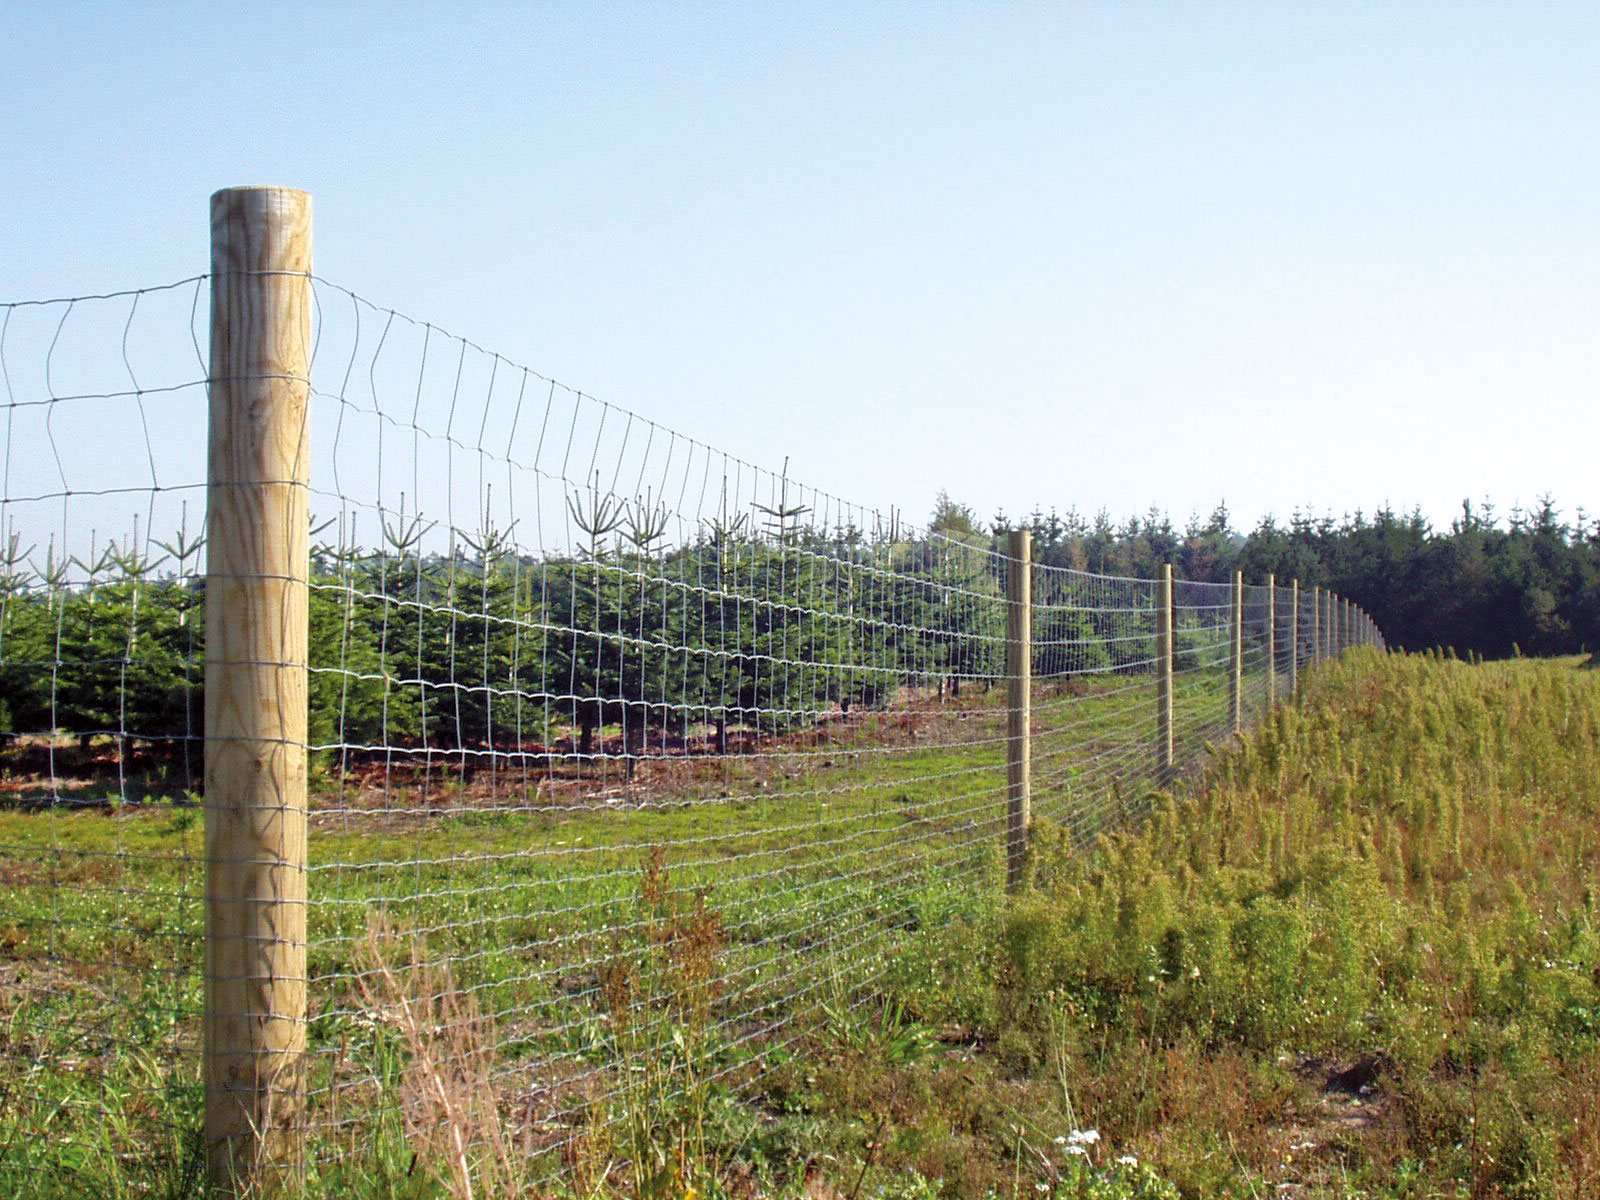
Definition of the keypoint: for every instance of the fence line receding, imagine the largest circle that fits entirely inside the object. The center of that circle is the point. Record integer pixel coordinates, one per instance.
(615, 747)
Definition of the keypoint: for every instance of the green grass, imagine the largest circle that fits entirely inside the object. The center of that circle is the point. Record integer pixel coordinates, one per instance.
(1399, 873)
(804, 957)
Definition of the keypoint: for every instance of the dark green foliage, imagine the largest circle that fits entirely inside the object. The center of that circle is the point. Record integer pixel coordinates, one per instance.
(483, 650)
(1529, 584)
(116, 657)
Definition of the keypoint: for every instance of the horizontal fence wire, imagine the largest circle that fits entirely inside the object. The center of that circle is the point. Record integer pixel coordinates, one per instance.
(102, 510)
(630, 761)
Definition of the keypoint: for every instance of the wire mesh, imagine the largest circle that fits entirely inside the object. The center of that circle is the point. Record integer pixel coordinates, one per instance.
(102, 472)
(629, 759)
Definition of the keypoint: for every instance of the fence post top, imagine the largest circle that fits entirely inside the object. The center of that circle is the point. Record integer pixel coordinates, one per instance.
(297, 194)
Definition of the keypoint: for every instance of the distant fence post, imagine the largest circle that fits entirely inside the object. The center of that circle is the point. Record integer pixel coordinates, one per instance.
(1166, 624)
(1316, 624)
(1272, 641)
(258, 530)
(1236, 655)
(1019, 680)
(1294, 636)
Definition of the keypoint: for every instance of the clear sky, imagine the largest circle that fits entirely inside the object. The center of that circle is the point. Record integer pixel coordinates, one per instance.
(1083, 254)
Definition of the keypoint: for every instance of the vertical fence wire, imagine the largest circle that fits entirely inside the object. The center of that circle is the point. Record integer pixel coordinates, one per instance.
(630, 760)
(102, 511)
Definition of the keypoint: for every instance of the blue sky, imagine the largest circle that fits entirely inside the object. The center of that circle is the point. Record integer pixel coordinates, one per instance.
(1094, 255)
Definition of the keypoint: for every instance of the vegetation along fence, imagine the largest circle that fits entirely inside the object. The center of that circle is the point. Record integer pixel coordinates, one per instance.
(435, 712)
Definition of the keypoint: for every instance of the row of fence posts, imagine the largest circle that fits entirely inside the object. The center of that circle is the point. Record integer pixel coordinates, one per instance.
(257, 586)
(1336, 624)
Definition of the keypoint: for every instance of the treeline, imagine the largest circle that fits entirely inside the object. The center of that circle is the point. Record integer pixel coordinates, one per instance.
(743, 628)
(488, 646)
(1489, 586)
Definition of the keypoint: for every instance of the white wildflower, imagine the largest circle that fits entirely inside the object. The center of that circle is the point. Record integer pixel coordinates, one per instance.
(1084, 1137)
(1128, 1160)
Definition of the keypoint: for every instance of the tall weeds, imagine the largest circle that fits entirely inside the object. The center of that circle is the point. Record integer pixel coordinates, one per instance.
(1399, 869)
(452, 1113)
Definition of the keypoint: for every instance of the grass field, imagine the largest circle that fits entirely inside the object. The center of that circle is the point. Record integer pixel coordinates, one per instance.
(1357, 958)
(553, 903)
(1359, 961)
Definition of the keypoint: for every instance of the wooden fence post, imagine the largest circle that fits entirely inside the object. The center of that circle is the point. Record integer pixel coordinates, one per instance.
(258, 530)
(1294, 636)
(1272, 642)
(1166, 625)
(1019, 693)
(1236, 655)
(1316, 624)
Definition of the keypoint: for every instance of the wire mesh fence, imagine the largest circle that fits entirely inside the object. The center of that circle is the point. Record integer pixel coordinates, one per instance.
(625, 758)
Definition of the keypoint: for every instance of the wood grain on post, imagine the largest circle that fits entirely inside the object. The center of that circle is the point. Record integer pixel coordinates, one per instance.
(1165, 636)
(1236, 655)
(1272, 642)
(258, 529)
(1019, 694)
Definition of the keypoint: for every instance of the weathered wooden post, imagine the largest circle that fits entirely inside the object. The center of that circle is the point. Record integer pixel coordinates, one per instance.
(257, 535)
(1019, 697)
(1272, 641)
(1236, 655)
(1316, 624)
(1294, 636)
(1166, 625)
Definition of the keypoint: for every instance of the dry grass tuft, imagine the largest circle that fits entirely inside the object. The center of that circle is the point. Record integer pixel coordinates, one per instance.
(452, 1114)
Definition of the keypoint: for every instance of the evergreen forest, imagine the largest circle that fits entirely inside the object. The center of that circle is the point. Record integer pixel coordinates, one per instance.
(741, 629)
